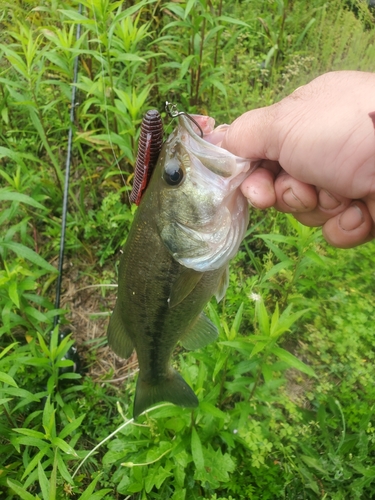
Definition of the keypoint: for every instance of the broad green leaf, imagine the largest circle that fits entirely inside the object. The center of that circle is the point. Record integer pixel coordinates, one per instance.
(316, 257)
(43, 345)
(236, 323)
(130, 57)
(276, 269)
(22, 493)
(267, 372)
(87, 494)
(274, 319)
(282, 256)
(7, 379)
(63, 469)
(39, 127)
(286, 320)
(49, 418)
(189, 6)
(63, 446)
(292, 361)
(212, 410)
(262, 317)
(306, 29)
(34, 313)
(289, 240)
(53, 478)
(219, 85)
(22, 198)
(100, 494)
(215, 318)
(77, 17)
(72, 426)
(186, 64)
(30, 433)
(259, 347)
(22, 393)
(44, 483)
(36, 459)
(232, 20)
(313, 462)
(26, 253)
(196, 450)
(220, 362)
(4, 400)
(13, 293)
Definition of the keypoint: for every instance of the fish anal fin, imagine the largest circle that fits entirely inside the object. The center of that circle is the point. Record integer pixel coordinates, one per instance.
(118, 338)
(223, 284)
(183, 286)
(173, 389)
(201, 333)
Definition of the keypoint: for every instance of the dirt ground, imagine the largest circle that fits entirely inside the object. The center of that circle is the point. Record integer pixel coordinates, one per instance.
(90, 306)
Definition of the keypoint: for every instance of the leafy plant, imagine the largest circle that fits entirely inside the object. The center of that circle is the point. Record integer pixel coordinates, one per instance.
(277, 415)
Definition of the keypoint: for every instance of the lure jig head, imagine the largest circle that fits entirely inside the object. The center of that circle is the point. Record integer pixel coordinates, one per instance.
(173, 112)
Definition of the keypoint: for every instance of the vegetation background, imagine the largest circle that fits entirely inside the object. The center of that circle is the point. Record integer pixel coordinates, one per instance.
(287, 393)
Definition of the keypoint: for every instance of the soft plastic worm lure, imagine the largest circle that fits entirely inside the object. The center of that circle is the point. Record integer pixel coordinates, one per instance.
(149, 147)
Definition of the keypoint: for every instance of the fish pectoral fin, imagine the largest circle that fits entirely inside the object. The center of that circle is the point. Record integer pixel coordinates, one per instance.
(223, 284)
(183, 286)
(173, 389)
(201, 333)
(118, 338)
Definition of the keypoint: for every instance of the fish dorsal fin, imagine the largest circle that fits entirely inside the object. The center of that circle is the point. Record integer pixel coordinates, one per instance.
(117, 336)
(223, 284)
(183, 286)
(201, 333)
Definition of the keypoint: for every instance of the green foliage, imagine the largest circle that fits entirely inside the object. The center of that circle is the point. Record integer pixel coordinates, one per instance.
(286, 394)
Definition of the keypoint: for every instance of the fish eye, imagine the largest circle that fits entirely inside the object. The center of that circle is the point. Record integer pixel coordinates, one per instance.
(173, 173)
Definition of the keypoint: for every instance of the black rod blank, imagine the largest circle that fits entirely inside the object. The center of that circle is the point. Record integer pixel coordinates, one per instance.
(66, 183)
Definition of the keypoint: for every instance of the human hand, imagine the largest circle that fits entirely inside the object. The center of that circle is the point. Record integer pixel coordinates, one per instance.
(315, 152)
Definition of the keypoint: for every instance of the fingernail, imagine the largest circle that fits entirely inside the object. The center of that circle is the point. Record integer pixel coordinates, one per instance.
(251, 203)
(327, 200)
(351, 219)
(293, 202)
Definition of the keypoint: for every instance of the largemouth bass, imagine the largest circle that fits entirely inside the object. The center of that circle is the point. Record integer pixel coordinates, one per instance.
(189, 224)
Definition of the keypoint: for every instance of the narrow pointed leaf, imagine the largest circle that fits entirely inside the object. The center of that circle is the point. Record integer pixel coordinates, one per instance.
(292, 361)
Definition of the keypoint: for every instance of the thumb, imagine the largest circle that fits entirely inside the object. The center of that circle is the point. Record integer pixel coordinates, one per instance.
(252, 135)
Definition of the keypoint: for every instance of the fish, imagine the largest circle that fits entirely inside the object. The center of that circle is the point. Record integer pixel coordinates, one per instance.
(189, 223)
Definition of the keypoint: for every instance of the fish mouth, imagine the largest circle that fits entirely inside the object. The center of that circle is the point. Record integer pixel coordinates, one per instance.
(208, 149)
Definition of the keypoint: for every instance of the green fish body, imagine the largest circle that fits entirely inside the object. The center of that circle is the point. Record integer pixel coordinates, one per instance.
(190, 222)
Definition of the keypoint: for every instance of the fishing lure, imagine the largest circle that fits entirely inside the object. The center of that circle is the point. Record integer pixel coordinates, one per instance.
(150, 144)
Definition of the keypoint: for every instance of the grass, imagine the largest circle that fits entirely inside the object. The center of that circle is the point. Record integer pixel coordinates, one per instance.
(286, 394)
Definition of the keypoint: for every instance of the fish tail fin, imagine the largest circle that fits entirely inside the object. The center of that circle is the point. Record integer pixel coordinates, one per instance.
(173, 389)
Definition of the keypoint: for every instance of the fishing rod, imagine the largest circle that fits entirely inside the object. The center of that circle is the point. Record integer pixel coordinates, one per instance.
(67, 178)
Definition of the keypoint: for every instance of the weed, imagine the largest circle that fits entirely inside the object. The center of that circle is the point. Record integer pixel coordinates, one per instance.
(277, 416)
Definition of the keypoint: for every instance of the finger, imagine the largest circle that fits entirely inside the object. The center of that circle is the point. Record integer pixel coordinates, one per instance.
(293, 195)
(350, 228)
(250, 135)
(259, 188)
(329, 205)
